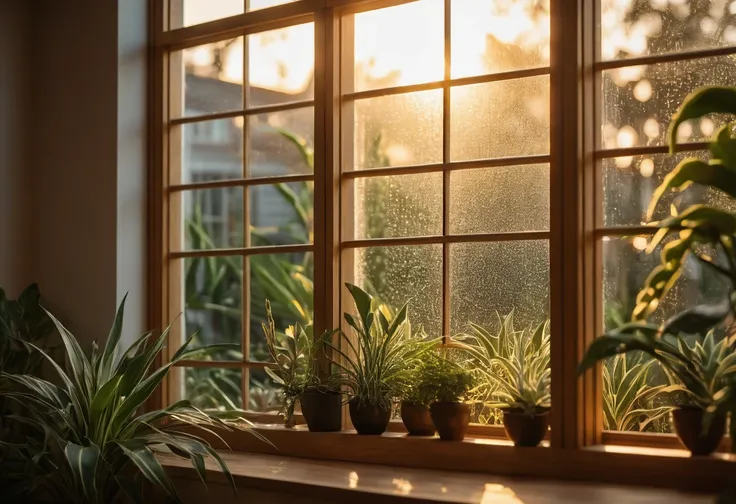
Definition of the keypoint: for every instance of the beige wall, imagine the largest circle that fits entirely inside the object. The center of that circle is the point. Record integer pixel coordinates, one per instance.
(15, 196)
(72, 211)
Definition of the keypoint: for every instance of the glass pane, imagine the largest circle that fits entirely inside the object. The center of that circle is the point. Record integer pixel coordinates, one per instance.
(399, 45)
(263, 4)
(631, 28)
(398, 130)
(500, 119)
(214, 388)
(286, 280)
(638, 102)
(264, 394)
(402, 205)
(213, 218)
(192, 12)
(212, 303)
(629, 182)
(489, 36)
(212, 150)
(626, 266)
(281, 65)
(410, 274)
(213, 77)
(281, 214)
(281, 143)
(500, 200)
(487, 279)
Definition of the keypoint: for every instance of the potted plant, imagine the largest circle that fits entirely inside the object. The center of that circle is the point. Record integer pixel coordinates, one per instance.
(321, 399)
(683, 344)
(92, 443)
(371, 367)
(515, 369)
(415, 401)
(447, 386)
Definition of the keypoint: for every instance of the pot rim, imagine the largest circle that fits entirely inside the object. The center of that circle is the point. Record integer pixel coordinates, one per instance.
(520, 413)
(316, 390)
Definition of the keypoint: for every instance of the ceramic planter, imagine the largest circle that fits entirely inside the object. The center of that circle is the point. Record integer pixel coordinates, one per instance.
(369, 419)
(322, 410)
(451, 419)
(524, 429)
(417, 419)
(688, 422)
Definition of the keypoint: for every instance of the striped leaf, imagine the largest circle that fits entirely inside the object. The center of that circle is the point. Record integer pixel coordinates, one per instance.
(144, 459)
(83, 461)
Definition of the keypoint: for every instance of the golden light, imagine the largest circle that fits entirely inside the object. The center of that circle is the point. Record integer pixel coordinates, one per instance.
(353, 479)
(707, 127)
(643, 90)
(626, 137)
(684, 132)
(640, 243)
(624, 161)
(646, 167)
(495, 493)
(651, 128)
(403, 487)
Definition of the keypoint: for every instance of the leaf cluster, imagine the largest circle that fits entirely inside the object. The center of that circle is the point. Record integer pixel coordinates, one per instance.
(441, 380)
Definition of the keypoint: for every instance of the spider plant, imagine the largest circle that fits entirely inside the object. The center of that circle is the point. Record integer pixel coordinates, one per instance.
(514, 365)
(372, 366)
(629, 401)
(94, 443)
(293, 354)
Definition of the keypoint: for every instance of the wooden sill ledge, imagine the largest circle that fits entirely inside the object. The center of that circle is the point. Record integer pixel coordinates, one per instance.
(326, 481)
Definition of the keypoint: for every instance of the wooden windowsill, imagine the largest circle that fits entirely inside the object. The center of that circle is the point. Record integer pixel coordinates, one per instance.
(613, 464)
(357, 483)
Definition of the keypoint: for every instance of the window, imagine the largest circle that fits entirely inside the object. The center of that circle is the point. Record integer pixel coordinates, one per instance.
(496, 157)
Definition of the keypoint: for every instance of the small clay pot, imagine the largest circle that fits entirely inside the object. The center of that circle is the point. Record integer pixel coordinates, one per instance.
(688, 421)
(369, 419)
(524, 429)
(417, 419)
(451, 419)
(322, 410)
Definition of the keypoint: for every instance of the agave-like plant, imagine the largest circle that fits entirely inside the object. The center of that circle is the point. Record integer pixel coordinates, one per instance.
(514, 365)
(95, 442)
(373, 367)
(629, 401)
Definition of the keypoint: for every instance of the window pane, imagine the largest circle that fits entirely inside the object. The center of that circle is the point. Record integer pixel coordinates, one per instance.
(213, 388)
(213, 77)
(631, 28)
(286, 280)
(281, 214)
(638, 102)
(491, 278)
(629, 182)
(281, 65)
(192, 12)
(500, 200)
(626, 266)
(489, 36)
(499, 119)
(264, 394)
(403, 205)
(399, 45)
(212, 303)
(281, 143)
(212, 150)
(263, 4)
(398, 130)
(213, 218)
(410, 274)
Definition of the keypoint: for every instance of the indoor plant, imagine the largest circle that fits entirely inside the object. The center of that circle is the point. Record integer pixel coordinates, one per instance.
(447, 385)
(415, 401)
(516, 370)
(93, 444)
(371, 368)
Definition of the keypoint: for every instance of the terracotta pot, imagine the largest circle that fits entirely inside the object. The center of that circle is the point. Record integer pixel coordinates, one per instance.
(417, 419)
(688, 422)
(451, 419)
(322, 410)
(524, 429)
(369, 419)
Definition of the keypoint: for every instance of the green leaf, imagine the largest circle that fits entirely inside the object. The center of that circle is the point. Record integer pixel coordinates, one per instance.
(698, 319)
(144, 459)
(362, 301)
(107, 360)
(83, 461)
(612, 344)
(708, 100)
(694, 171)
(723, 147)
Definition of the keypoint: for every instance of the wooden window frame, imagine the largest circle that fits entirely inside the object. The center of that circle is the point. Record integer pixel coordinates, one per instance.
(577, 437)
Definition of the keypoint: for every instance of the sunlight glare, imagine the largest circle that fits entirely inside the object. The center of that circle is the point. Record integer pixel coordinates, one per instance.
(646, 168)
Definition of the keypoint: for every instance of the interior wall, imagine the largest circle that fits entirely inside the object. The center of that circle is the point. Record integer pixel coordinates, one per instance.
(15, 194)
(88, 144)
